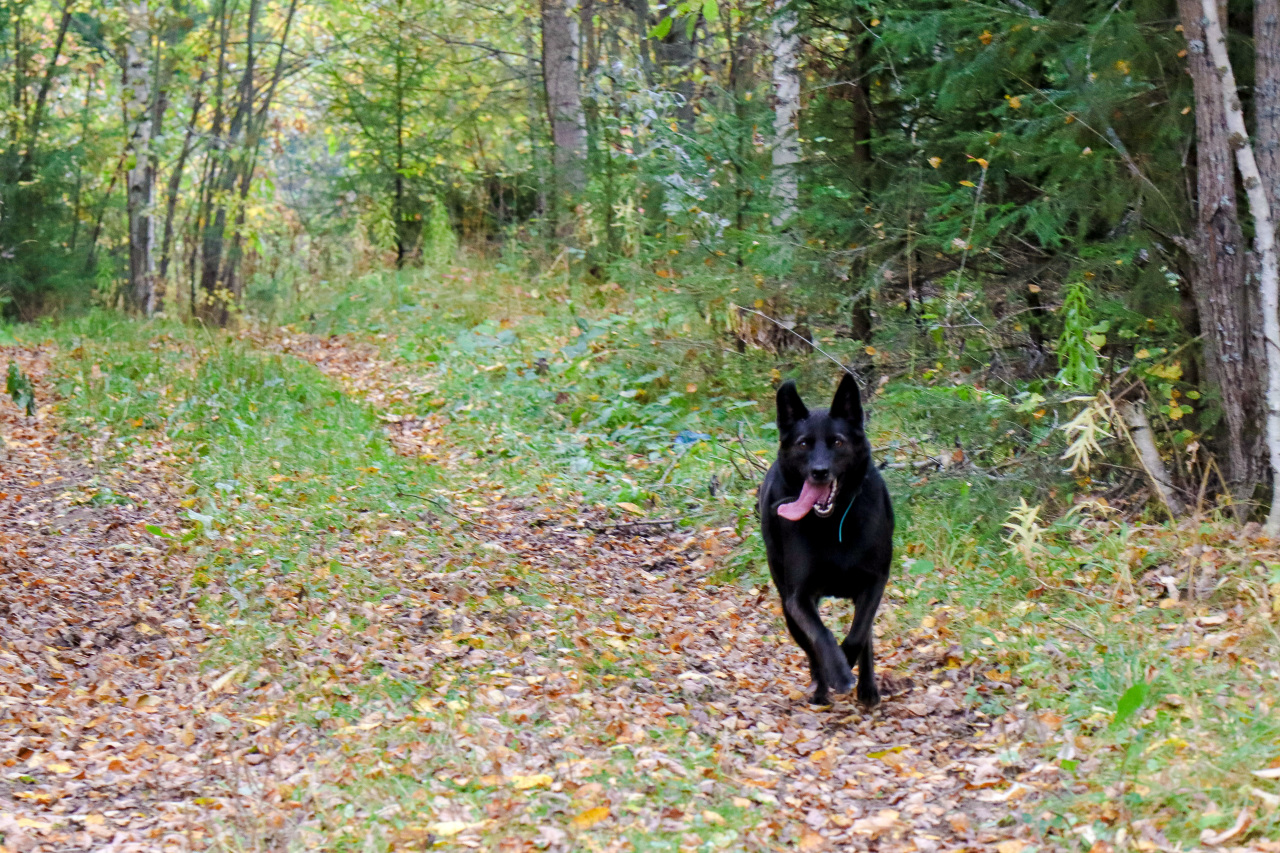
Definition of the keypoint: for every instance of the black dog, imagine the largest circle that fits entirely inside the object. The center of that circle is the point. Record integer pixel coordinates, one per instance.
(828, 532)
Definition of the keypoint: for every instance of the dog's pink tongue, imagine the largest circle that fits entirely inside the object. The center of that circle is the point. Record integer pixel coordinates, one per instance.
(800, 507)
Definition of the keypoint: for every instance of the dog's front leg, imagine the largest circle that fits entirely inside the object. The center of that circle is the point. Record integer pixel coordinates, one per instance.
(815, 672)
(830, 667)
(857, 646)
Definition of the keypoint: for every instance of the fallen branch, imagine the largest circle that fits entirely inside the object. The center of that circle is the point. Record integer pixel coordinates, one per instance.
(1138, 429)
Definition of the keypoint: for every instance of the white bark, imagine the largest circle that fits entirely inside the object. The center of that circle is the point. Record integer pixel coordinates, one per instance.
(1264, 244)
(785, 46)
(141, 175)
(1144, 445)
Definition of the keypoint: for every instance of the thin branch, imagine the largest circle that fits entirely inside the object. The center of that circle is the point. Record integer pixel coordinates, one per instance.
(817, 348)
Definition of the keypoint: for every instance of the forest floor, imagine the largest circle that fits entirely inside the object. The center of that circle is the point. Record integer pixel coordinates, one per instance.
(292, 591)
(107, 711)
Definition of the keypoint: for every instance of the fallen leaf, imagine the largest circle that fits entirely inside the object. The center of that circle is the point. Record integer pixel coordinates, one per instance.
(811, 840)
(523, 783)
(876, 824)
(589, 818)
(449, 828)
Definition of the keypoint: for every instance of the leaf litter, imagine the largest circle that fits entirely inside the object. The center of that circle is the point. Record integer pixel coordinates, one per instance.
(106, 738)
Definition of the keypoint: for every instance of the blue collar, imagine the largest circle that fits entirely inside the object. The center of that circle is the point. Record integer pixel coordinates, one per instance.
(840, 530)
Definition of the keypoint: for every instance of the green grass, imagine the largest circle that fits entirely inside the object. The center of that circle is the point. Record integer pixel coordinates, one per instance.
(572, 391)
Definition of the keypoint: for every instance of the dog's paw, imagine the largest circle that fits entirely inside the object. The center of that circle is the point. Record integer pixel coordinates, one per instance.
(868, 695)
(842, 682)
(820, 697)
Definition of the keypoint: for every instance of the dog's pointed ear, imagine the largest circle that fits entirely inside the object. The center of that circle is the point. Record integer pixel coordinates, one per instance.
(847, 403)
(791, 408)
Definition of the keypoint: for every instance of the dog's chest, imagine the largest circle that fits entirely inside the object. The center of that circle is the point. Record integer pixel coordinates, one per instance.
(839, 573)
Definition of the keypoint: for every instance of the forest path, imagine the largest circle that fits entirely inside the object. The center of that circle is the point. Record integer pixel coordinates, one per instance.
(924, 771)
(104, 736)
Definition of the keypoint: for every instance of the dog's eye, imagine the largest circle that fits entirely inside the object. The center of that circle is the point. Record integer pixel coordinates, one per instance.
(839, 442)
(804, 442)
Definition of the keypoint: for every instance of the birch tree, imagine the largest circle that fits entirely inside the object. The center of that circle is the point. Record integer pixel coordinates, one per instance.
(141, 192)
(784, 44)
(1264, 242)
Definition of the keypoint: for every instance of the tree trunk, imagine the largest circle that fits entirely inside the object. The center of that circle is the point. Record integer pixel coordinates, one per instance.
(399, 212)
(1266, 94)
(175, 178)
(640, 12)
(140, 180)
(564, 98)
(741, 82)
(675, 54)
(229, 175)
(1219, 270)
(784, 44)
(1264, 243)
(37, 115)
(860, 101)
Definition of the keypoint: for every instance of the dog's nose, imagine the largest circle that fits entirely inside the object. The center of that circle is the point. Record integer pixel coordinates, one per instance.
(820, 475)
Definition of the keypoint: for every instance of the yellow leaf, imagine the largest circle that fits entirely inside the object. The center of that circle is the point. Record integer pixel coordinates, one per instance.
(1010, 846)
(630, 507)
(967, 184)
(985, 38)
(449, 828)
(690, 388)
(935, 162)
(522, 783)
(1015, 102)
(58, 767)
(928, 622)
(871, 350)
(28, 823)
(94, 820)
(712, 818)
(982, 164)
(591, 817)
